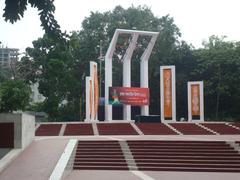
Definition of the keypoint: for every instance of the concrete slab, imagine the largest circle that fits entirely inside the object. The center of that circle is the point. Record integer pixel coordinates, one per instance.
(8, 158)
(101, 175)
(147, 175)
(150, 137)
(36, 162)
(4, 151)
(192, 175)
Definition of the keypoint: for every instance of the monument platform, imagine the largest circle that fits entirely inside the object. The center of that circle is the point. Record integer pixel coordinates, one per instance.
(128, 150)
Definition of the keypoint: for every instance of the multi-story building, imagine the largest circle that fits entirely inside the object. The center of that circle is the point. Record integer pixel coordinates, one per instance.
(8, 58)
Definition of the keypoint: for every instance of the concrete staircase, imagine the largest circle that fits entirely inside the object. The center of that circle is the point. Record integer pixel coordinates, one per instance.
(203, 156)
(99, 155)
(145, 155)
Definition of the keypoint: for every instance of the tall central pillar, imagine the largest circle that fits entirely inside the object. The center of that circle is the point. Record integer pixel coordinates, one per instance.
(127, 83)
(127, 73)
(144, 70)
(144, 84)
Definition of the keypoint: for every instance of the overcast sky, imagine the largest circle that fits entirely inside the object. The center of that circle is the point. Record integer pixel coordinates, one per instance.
(197, 19)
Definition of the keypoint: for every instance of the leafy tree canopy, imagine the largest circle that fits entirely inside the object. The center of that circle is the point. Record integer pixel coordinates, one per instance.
(14, 11)
(14, 95)
(218, 64)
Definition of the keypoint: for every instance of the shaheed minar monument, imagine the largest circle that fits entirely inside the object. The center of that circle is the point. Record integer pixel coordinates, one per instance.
(128, 96)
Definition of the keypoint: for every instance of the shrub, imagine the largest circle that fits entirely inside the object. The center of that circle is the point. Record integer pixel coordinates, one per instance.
(14, 95)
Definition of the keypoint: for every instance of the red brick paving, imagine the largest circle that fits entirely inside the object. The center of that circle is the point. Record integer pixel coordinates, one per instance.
(78, 129)
(48, 130)
(221, 128)
(155, 129)
(190, 129)
(116, 129)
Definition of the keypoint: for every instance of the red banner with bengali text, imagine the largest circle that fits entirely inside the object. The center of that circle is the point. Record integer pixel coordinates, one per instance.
(128, 95)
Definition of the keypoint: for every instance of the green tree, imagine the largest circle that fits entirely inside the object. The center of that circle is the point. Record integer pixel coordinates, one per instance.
(14, 95)
(218, 64)
(58, 70)
(14, 11)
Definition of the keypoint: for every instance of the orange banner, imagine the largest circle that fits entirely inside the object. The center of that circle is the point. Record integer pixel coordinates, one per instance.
(167, 79)
(195, 99)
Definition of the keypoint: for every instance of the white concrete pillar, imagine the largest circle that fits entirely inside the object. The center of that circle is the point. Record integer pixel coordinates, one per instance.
(144, 70)
(108, 75)
(108, 83)
(127, 83)
(127, 73)
(144, 83)
(95, 90)
(88, 94)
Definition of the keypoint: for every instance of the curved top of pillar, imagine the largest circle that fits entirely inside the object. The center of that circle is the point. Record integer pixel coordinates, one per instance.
(132, 45)
(128, 31)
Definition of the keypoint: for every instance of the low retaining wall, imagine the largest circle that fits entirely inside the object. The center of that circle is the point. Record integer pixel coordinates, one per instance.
(7, 135)
(24, 129)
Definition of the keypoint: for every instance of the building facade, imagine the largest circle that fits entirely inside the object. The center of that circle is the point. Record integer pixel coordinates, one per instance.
(8, 57)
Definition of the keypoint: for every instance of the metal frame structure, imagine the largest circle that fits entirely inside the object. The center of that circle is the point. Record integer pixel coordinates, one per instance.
(127, 68)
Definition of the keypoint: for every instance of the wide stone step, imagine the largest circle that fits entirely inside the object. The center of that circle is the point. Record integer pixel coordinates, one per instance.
(99, 156)
(184, 157)
(188, 161)
(184, 154)
(98, 150)
(98, 147)
(176, 144)
(99, 160)
(100, 164)
(188, 164)
(190, 169)
(176, 141)
(182, 151)
(182, 147)
(100, 168)
(97, 143)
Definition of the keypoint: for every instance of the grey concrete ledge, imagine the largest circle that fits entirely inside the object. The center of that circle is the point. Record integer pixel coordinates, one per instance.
(8, 158)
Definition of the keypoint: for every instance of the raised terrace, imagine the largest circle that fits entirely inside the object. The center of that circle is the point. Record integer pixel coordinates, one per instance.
(81, 129)
(127, 150)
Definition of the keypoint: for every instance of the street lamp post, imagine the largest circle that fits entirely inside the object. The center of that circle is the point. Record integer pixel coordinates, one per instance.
(101, 58)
